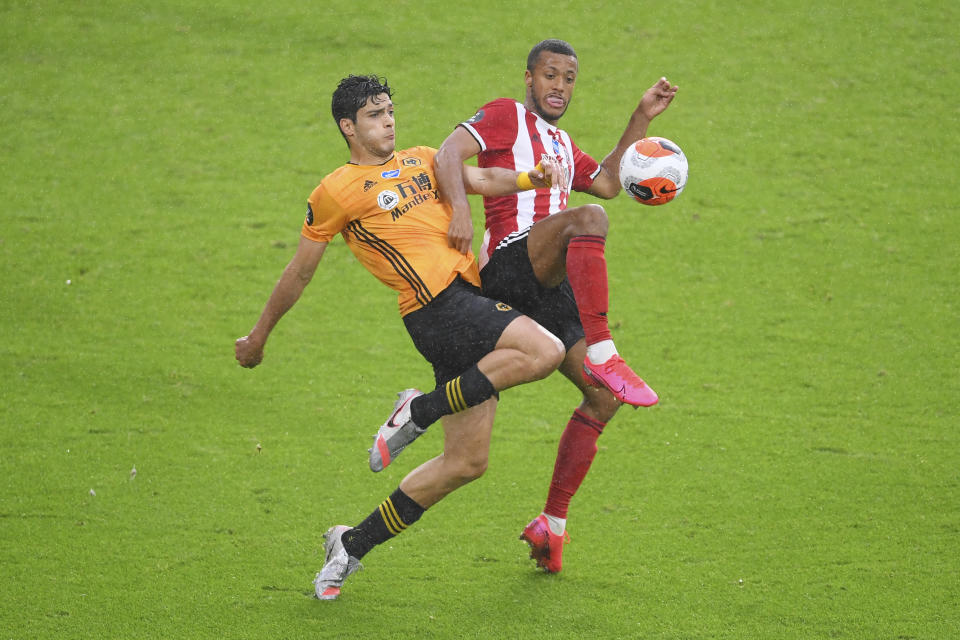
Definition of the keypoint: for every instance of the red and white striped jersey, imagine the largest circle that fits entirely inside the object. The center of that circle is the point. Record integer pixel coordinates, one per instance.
(512, 137)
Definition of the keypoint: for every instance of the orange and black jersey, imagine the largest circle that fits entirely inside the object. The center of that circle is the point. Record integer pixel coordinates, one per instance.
(393, 220)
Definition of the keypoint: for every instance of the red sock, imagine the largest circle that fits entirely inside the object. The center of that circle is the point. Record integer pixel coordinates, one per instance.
(587, 272)
(578, 446)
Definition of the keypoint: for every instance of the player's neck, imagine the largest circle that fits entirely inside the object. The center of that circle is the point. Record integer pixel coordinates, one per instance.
(363, 156)
(369, 160)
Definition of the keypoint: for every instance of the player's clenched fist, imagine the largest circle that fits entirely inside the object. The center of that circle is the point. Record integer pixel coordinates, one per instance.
(248, 352)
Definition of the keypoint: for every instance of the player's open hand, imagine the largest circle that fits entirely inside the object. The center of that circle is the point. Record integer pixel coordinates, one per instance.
(657, 98)
(548, 173)
(248, 352)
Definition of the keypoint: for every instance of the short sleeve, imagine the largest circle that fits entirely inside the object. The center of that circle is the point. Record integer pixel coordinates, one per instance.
(494, 125)
(585, 169)
(325, 218)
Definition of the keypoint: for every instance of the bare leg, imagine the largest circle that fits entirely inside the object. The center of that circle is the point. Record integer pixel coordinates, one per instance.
(466, 447)
(598, 402)
(464, 458)
(525, 352)
(548, 240)
(571, 244)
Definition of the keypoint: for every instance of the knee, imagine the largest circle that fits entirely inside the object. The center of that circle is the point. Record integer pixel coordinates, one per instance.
(546, 355)
(469, 469)
(464, 463)
(552, 355)
(591, 220)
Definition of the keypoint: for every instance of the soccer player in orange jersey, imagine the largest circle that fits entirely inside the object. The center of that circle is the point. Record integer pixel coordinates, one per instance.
(387, 206)
(548, 260)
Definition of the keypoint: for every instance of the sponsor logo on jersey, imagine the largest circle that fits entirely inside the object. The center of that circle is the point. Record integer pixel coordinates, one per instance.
(418, 199)
(369, 184)
(393, 173)
(408, 193)
(503, 307)
(387, 199)
(309, 215)
(411, 162)
(477, 117)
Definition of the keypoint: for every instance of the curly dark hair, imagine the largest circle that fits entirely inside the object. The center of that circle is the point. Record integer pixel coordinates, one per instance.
(352, 94)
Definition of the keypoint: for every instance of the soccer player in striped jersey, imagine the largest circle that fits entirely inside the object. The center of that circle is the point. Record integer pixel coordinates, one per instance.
(548, 260)
(387, 206)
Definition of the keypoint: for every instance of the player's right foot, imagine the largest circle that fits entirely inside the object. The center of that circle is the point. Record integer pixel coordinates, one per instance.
(546, 547)
(337, 566)
(623, 383)
(396, 433)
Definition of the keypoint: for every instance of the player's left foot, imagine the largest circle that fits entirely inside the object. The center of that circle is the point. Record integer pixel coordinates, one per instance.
(396, 433)
(623, 383)
(546, 547)
(337, 566)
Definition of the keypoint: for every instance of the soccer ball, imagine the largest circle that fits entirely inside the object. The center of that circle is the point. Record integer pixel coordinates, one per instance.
(653, 171)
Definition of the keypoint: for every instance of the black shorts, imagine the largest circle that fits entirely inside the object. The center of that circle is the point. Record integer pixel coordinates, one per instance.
(457, 328)
(509, 277)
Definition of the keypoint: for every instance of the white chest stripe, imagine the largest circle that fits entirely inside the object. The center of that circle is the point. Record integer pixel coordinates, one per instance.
(525, 159)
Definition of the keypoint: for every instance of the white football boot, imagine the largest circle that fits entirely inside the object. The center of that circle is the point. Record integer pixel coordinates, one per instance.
(396, 433)
(337, 567)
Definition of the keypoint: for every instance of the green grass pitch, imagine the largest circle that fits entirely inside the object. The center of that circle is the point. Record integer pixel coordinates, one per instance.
(797, 309)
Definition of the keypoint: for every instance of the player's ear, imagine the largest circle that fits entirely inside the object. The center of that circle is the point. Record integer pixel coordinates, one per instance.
(528, 79)
(348, 126)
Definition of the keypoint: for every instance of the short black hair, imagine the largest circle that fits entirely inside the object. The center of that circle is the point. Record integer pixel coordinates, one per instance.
(553, 46)
(352, 94)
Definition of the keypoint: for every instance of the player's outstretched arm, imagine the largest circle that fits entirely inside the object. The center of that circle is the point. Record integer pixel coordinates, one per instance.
(448, 165)
(296, 276)
(655, 100)
(497, 181)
